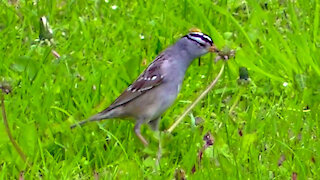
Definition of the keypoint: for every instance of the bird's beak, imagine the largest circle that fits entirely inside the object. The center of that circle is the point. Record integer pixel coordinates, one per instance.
(213, 48)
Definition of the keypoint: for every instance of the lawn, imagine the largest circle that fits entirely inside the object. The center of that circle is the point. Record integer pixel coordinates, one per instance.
(266, 128)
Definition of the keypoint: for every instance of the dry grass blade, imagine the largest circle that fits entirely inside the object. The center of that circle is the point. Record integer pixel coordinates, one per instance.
(202, 95)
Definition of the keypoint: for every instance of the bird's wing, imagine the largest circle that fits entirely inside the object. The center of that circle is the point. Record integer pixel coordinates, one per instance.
(150, 78)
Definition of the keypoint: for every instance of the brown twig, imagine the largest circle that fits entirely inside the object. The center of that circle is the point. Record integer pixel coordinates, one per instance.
(209, 140)
(202, 95)
(6, 124)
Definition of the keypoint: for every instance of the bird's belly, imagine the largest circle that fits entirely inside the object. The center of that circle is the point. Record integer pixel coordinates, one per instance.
(162, 102)
(154, 103)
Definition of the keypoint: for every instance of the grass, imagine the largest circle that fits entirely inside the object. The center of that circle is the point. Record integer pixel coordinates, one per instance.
(271, 133)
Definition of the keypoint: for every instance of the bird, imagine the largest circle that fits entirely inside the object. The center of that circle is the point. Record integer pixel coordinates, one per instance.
(157, 87)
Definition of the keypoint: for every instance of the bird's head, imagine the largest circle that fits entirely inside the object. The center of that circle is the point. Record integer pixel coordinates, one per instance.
(197, 43)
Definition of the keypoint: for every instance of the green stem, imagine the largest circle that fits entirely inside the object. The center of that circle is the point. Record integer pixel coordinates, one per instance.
(236, 101)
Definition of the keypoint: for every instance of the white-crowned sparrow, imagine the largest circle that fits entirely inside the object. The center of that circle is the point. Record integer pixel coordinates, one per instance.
(157, 87)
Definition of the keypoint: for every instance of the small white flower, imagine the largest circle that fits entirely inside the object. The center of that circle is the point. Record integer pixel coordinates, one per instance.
(114, 7)
(285, 84)
(107, 1)
(203, 76)
(141, 36)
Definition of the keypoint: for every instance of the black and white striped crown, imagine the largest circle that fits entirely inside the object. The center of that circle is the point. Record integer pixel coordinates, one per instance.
(200, 38)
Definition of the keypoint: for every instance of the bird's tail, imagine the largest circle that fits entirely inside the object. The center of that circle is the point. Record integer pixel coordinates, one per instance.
(79, 123)
(100, 116)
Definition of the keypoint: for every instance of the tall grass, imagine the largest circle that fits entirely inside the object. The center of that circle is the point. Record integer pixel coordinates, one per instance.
(271, 133)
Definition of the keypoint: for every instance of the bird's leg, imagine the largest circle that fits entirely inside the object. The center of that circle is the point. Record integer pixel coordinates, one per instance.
(159, 150)
(154, 124)
(137, 131)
